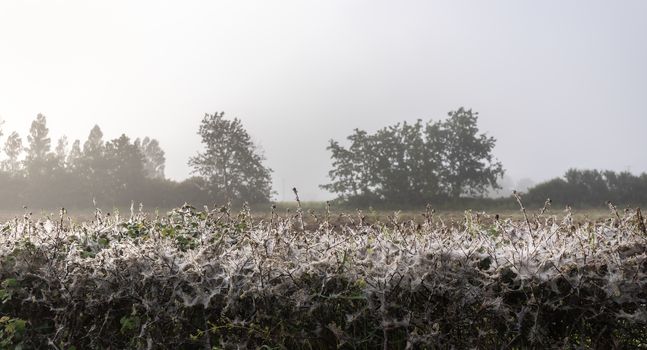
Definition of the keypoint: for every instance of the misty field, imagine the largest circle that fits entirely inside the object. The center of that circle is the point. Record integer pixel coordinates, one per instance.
(219, 279)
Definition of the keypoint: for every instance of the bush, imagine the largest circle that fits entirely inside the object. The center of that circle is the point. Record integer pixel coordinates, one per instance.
(217, 279)
(591, 188)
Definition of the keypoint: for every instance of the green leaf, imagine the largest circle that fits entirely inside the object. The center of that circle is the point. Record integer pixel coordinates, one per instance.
(10, 283)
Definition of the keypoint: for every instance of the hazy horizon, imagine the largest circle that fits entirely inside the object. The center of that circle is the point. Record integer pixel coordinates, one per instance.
(556, 86)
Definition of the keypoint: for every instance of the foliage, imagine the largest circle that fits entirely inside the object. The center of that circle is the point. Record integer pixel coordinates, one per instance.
(230, 164)
(39, 146)
(216, 279)
(400, 166)
(95, 172)
(592, 188)
(125, 164)
(415, 163)
(12, 331)
(13, 148)
(154, 158)
(467, 164)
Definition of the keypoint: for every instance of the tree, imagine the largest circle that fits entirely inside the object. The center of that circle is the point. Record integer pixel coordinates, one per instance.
(93, 147)
(126, 162)
(93, 163)
(74, 157)
(93, 167)
(625, 187)
(591, 188)
(468, 165)
(230, 164)
(557, 190)
(350, 175)
(13, 148)
(61, 152)
(415, 163)
(38, 151)
(154, 158)
(394, 164)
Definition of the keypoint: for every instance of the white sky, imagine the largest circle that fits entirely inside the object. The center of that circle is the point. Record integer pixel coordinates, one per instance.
(559, 83)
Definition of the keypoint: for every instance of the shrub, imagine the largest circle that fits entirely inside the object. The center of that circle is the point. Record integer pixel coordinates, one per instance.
(216, 279)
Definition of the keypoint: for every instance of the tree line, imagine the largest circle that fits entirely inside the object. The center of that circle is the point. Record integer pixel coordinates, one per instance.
(450, 164)
(108, 173)
(415, 164)
(402, 165)
(592, 188)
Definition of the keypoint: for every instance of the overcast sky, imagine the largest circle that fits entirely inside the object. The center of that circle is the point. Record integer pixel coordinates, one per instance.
(559, 83)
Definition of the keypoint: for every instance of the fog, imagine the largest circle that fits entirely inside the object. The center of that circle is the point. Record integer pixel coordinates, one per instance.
(560, 84)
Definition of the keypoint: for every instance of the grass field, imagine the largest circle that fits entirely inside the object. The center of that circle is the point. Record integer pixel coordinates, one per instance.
(312, 209)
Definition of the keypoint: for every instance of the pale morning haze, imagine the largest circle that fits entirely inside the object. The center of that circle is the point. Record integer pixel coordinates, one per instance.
(559, 84)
